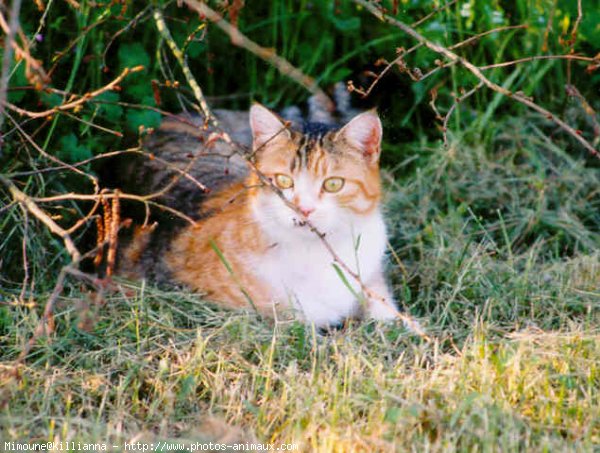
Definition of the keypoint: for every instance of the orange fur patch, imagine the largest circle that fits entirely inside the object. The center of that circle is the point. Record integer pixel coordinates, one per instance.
(194, 261)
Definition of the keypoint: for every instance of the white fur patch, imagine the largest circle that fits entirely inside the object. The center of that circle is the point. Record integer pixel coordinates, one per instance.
(265, 125)
(301, 270)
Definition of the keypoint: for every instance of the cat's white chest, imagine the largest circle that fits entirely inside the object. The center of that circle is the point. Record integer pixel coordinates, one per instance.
(302, 272)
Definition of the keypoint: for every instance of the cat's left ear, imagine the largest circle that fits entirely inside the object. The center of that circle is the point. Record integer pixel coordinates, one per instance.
(364, 132)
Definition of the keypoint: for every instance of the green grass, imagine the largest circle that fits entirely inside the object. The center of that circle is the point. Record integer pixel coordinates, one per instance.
(164, 366)
(497, 256)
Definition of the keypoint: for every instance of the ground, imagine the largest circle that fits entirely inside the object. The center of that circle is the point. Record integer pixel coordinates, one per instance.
(495, 254)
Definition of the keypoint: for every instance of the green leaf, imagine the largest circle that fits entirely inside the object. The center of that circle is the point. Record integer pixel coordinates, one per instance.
(340, 74)
(344, 280)
(194, 49)
(71, 150)
(131, 55)
(138, 117)
(393, 415)
(346, 25)
(147, 118)
(590, 30)
(112, 112)
(57, 24)
(139, 88)
(50, 99)
(17, 80)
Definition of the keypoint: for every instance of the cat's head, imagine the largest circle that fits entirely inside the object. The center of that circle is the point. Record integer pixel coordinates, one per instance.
(332, 177)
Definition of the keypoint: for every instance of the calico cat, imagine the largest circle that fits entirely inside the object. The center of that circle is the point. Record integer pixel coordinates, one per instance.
(250, 249)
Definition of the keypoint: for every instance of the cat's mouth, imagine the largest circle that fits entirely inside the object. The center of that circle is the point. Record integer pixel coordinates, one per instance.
(299, 223)
(308, 227)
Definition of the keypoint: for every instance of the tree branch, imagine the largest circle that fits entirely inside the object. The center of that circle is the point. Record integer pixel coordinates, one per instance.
(32, 207)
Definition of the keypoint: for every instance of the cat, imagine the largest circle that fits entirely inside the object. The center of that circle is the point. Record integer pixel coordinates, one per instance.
(250, 249)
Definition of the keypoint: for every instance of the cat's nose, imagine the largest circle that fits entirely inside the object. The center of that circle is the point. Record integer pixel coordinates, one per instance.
(306, 211)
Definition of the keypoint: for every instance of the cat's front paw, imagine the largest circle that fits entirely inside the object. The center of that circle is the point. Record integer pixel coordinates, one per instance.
(382, 311)
(387, 312)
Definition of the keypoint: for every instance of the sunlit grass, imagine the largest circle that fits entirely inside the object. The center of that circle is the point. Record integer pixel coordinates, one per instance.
(158, 365)
(484, 257)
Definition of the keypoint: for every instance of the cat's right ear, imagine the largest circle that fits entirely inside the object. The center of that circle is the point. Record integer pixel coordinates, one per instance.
(364, 133)
(266, 126)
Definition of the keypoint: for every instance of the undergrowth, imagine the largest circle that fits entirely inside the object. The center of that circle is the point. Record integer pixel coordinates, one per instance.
(494, 243)
(513, 365)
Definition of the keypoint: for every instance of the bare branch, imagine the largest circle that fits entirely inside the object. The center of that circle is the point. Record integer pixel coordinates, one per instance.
(573, 40)
(433, 13)
(4, 75)
(268, 55)
(453, 57)
(485, 33)
(587, 108)
(457, 101)
(34, 209)
(413, 73)
(77, 102)
(166, 34)
(146, 199)
(540, 57)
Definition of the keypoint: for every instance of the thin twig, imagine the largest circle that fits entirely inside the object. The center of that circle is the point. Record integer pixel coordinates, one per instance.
(7, 58)
(587, 108)
(485, 33)
(166, 34)
(433, 13)
(92, 124)
(399, 60)
(67, 50)
(132, 23)
(396, 61)
(81, 99)
(32, 207)
(540, 57)
(24, 253)
(573, 39)
(457, 101)
(409, 322)
(45, 325)
(146, 199)
(93, 179)
(136, 150)
(33, 68)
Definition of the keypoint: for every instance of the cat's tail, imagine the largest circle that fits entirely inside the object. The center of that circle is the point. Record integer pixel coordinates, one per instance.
(320, 110)
(343, 102)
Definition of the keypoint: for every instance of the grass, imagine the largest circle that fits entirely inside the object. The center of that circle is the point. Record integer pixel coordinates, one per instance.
(163, 366)
(497, 254)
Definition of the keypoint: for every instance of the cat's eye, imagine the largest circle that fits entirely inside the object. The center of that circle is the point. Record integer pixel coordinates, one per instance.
(333, 185)
(283, 181)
